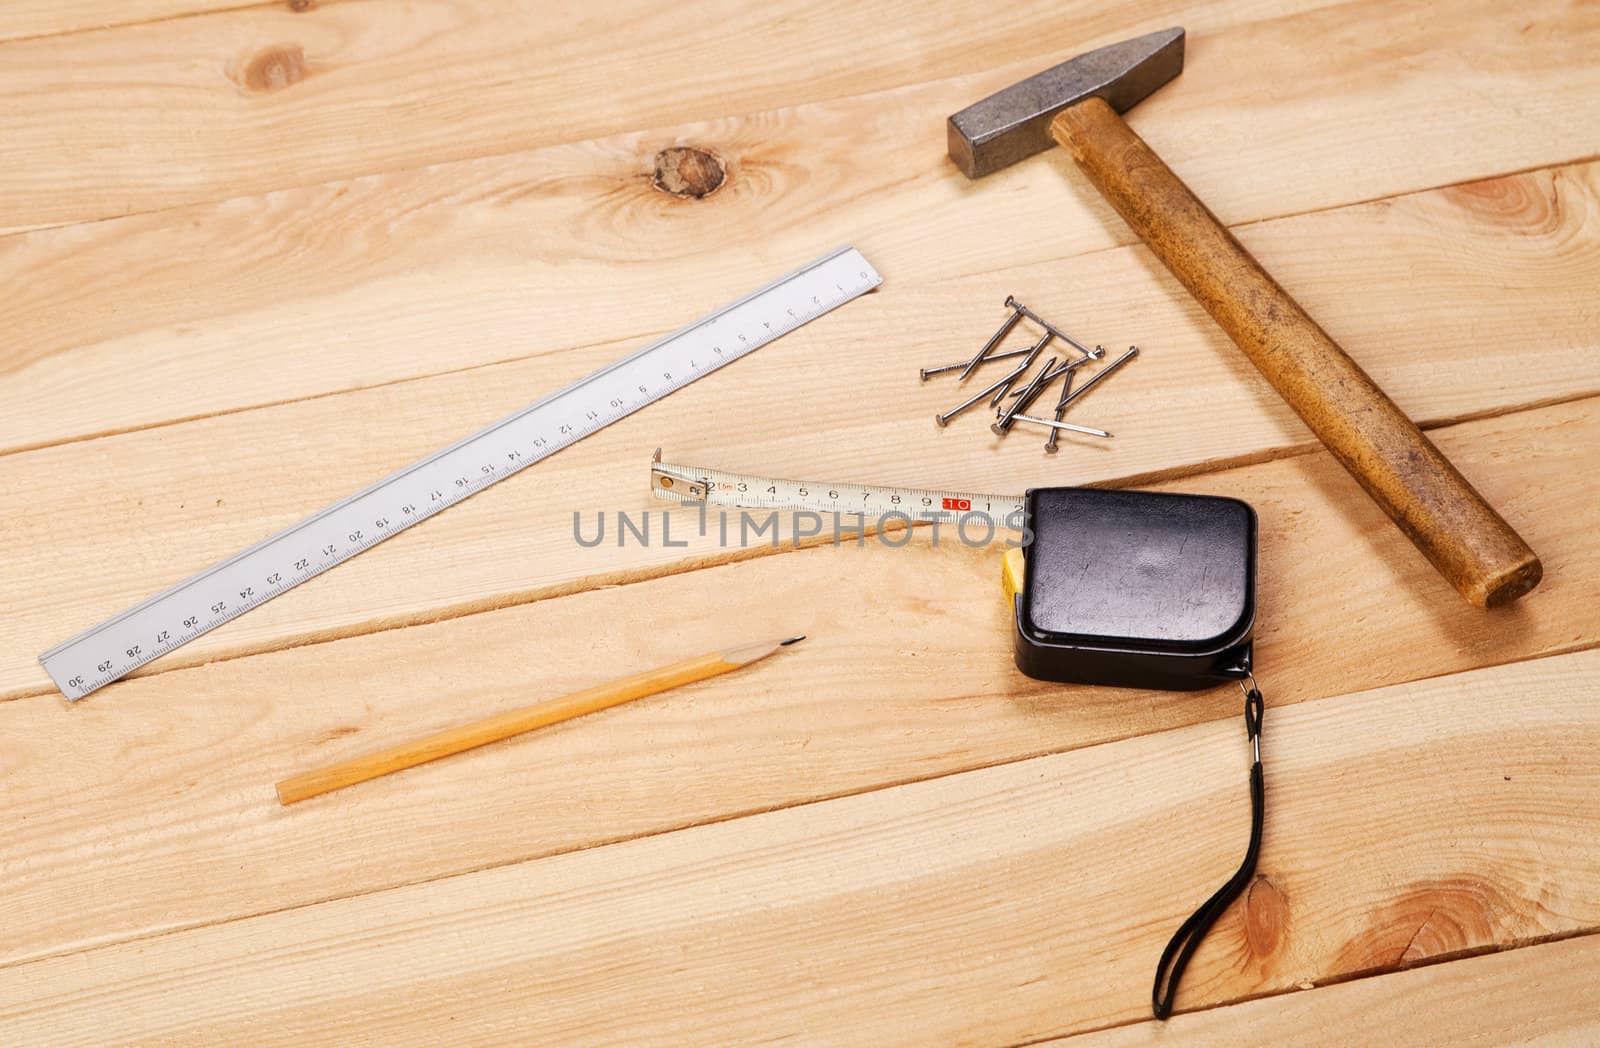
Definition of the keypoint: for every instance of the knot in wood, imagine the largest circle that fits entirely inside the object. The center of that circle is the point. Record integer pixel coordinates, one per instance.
(685, 171)
(1266, 917)
(274, 68)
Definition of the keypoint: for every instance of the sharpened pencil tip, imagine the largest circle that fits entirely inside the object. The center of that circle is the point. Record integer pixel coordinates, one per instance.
(792, 640)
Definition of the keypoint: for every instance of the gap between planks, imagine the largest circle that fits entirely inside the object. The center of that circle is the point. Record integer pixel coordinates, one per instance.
(1305, 752)
(1572, 955)
(126, 365)
(929, 690)
(728, 556)
(842, 795)
(1201, 368)
(644, 337)
(1178, 436)
(151, 19)
(631, 576)
(1292, 213)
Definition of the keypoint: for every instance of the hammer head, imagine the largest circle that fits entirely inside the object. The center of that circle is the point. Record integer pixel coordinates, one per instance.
(1015, 123)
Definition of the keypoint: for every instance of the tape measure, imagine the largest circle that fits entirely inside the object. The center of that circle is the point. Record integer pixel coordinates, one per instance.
(221, 593)
(751, 491)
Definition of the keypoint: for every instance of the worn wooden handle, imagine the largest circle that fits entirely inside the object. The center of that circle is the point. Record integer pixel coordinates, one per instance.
(1466, 540)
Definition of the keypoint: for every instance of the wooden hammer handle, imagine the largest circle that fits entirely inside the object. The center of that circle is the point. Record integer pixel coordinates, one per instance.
(1466, 540)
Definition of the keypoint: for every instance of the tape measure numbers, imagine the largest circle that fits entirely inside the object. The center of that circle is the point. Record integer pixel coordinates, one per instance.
(221, 593)
(750, 491)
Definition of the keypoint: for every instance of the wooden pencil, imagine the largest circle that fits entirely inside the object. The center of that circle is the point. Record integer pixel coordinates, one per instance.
(515, 722)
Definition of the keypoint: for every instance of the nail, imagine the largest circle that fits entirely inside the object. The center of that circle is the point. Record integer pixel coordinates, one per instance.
(928, 373)
(1044, 340)
(1067, 426)
(1096, 353)
(1027, 362)
(1104, 372)
(1061, 409)
(1062, 369)
(1032, 390)
(994, 340)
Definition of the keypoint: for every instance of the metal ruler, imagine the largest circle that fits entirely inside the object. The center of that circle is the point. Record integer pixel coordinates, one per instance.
(719, 487)
(205, 601)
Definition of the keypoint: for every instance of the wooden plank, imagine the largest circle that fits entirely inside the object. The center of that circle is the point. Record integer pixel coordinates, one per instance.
(203, 490)
(171, 829)
(29, 18)
(1534, 995)
(264, 97)
(906, 674)
(309, 291)
(274, 101)
(989, 908)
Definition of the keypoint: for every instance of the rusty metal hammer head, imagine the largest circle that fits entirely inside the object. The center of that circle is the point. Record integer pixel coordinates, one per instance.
(1013, 124)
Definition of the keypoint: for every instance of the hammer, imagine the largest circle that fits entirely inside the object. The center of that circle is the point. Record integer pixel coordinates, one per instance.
(1077, 103)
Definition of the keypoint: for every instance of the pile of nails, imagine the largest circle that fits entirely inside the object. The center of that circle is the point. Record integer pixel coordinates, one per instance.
(1022, 392)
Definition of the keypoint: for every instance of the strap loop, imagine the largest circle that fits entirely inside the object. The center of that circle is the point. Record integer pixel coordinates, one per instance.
(1181, 947)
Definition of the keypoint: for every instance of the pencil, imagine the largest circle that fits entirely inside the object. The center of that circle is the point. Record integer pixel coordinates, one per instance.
(515, 722)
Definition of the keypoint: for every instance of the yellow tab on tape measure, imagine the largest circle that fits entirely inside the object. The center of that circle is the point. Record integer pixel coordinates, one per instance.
(1011, 569)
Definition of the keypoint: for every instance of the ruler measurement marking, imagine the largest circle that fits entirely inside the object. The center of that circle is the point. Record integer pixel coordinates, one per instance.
(374, 514)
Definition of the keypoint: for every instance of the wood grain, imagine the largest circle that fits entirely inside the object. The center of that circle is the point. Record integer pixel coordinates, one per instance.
(265, 97)
(1535, 995)
(990, 908)
(252, 254)
(303, 292)
(29, 18)
(1437, 508)
(204, 490)
(906, 674)
(459, 738)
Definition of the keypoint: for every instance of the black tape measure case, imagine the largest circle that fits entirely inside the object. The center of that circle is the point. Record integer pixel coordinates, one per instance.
(1136, 589)
(1144, 589)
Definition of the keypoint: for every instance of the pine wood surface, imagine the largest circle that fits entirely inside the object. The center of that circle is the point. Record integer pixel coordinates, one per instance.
(898, 916)
(462, 737)
(21, 19)
(1545, 994)
(209, 487)
(257, 255)
(309, 290)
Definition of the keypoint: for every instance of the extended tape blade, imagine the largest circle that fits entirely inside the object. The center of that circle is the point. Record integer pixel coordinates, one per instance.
(878, 501)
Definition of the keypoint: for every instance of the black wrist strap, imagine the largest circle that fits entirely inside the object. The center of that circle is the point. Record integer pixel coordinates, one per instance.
(1175, 958)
